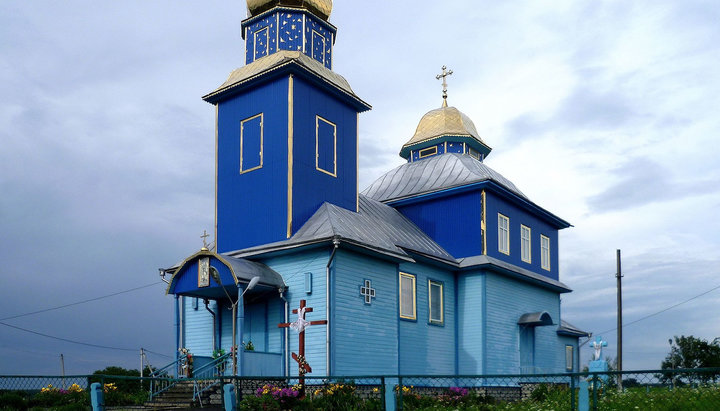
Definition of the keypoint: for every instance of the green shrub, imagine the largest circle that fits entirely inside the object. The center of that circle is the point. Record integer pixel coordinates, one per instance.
(13, 401)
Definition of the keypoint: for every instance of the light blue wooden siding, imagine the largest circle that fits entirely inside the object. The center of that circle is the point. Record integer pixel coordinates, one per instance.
(293, 269)
(198, 327)
(256, 325)
(471, 314)
(425, 348)
(276, 316)
(364, 337)
(507, 300)
(226, 326)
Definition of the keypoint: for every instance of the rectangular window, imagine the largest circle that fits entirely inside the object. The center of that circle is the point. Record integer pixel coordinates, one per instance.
(435, 301)
(545, 252)
(325, 146)
(503, 234)
(525, 244)
(569, 358)
(475, 154)
(427, 152)
(251, 143)
(261, 43)
(407, 297)
(318, 46)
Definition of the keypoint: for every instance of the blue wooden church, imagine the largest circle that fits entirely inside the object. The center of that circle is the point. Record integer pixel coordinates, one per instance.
(441, 266)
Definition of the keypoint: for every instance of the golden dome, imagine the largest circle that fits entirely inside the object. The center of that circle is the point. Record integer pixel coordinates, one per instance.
(321, 8)
(445, 122)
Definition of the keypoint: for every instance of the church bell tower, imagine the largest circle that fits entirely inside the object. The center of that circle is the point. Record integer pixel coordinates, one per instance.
(286, 132)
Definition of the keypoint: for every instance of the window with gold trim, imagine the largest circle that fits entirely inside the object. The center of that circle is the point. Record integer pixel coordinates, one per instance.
(325, 146)
(261, 42)
(251, 143)
(427, 152)
(503, 234)
(408, 309)
(436, 302)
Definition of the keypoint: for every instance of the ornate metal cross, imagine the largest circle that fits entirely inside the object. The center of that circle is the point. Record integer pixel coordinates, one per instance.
(299, 326)
(444, 76)
(367, 291)
(204, 238)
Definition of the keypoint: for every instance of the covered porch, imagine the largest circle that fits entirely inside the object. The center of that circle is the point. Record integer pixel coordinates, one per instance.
(223, 306)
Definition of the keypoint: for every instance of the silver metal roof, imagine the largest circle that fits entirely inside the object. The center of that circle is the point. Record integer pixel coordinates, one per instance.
(434, 174)
(536, 319)
(280, 59)
(245, 270)
(566, 328)
(376, 226)
(482, 261)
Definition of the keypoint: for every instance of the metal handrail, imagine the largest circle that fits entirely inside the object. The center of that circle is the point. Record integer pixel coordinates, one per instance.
(164, 378)
(209, 375)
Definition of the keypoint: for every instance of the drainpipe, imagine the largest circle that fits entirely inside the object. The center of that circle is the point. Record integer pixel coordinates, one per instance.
(336, 244)
(177, 327)
(207, 302)
(286, 335)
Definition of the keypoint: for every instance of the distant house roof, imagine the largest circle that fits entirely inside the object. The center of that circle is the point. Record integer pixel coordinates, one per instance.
(376, 226)
(570, 330)
(435, 174)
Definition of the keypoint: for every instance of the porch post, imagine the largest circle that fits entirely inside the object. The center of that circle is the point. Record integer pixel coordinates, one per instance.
(238, 325)
(177, 327)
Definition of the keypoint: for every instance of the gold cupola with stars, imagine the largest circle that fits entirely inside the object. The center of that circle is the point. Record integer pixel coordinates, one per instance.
(445, 130)
(321, 8)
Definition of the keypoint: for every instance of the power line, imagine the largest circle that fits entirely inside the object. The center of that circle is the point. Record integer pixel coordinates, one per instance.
(663, 310)
(79, 302)
(67, 340)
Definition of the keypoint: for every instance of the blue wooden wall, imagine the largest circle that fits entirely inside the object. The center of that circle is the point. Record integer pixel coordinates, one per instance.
(471, 310)
(365, 336)
(506, 300)
(252, 207)
(293, 268)
(312, 187)
(454, 221)
(427, 348)
(519, 217)
(289, 30)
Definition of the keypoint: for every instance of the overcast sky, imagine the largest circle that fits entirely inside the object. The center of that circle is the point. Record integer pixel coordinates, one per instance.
(603, 112)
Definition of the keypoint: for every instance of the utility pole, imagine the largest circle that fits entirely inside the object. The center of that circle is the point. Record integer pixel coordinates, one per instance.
(619, 320)
(62, 370)
(142, 365)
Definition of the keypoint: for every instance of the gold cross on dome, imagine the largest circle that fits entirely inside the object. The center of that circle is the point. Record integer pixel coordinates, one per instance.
(444, 76)
(204, 238)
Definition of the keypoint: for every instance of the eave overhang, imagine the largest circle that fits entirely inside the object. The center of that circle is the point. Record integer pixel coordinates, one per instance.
(284, 63)
(490, 185)
(493, 264)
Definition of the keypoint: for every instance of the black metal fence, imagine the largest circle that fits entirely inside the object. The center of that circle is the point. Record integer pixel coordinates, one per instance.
(683, 389)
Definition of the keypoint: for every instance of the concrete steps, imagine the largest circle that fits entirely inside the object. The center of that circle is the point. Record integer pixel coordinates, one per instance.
(180, 396)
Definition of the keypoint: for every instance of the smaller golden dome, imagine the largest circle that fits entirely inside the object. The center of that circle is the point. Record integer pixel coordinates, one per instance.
(321, 8)
(445, 122)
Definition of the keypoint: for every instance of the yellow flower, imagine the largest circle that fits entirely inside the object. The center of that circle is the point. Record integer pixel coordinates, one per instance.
(376, 389)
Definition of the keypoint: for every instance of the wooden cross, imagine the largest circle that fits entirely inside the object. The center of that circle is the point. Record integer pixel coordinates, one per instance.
(444, 76)
(300, 324)
(204, 238)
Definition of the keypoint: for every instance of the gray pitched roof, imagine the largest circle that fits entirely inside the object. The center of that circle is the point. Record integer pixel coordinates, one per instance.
(434, 174)
(376, 226)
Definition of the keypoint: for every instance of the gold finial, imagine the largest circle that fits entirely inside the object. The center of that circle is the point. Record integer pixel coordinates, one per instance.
(204, 238)
(443, 76)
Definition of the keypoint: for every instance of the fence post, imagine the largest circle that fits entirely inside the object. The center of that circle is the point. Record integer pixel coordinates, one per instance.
(583, 400)
(96, 397)
(572, 392)
(595, 381)
(230, 399)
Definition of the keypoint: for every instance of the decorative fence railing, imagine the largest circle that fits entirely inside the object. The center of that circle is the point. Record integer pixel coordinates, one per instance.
(683, 389)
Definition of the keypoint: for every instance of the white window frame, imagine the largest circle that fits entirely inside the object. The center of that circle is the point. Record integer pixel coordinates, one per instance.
(431, 320)
(545, 252)
(403, 314)
(526, 243)
(569, 358)
(503, 234)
